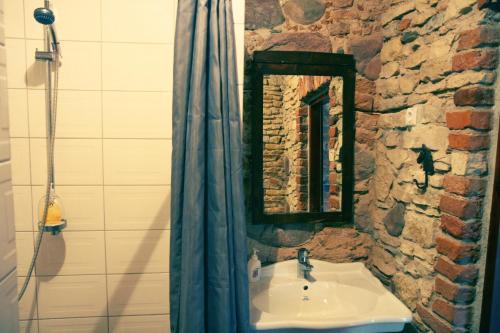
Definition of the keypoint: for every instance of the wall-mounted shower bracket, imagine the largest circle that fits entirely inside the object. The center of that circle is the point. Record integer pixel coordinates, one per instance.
(44, 55)
(427, 163)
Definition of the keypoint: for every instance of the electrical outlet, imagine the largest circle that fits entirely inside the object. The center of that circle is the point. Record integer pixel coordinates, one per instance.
(411, 116)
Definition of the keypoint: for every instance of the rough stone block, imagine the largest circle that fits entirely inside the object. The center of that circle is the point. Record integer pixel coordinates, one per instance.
(457, 250)
(406, 288)
(339, 28)
(383, 261)
(367, 120)
(471, 142)
(365, 165)
(455, 8)
(475, 59)
(409, 36)
(397, 11)
(391, 50)
(373, 68)
(463, 119)
(263, 14)
(297, 41)
(462, 79)
(420, 229)
(337, 4)
(363, 102)
(389, 69)
(365, 47)
(415, 59)
(304, 11)
(434, 137)
(394, 221)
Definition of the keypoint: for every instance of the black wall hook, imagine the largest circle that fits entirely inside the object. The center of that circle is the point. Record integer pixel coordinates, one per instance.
(427, 163)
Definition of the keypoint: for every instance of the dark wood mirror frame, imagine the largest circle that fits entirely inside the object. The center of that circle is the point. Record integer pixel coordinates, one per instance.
(302, 63)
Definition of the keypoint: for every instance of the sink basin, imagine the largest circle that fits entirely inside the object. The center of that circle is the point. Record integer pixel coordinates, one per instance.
(338, 298)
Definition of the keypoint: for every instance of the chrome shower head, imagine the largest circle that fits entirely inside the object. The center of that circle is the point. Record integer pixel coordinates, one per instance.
(44, 16)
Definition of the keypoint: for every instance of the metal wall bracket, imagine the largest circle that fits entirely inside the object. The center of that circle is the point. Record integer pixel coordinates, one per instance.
(44, 55)
(427, 164)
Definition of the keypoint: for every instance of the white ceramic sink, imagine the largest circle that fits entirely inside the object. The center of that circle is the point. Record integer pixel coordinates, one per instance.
(339, 298)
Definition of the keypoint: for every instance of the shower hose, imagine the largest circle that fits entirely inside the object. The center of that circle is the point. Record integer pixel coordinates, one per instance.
(51, 107)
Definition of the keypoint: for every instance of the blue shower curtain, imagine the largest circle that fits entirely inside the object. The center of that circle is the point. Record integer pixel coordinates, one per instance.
(208, 279)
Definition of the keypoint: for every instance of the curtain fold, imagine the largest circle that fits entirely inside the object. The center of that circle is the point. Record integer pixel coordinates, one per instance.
(208, 277)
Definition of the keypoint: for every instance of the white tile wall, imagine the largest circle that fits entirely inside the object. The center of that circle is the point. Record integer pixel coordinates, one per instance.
(22, 208)
(121, 23)
(77, 161)
(74, 325)
(72, 296)
(135, 324)
(75, 19)
(137, 294)
(72, 253)
(20, 159)
(137, 114)
(139, 67)
(79, 114)
(137, 251)
(16, 58)
(28, 307)
(18, 107)
(108, 272)
(137, 207)
(14, 26)
(137, 162)
(24, 246)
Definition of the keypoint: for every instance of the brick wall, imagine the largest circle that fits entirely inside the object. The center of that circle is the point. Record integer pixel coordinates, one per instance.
(426, 75)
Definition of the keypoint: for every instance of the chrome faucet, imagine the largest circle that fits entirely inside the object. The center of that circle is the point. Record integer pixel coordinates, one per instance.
(304, 266)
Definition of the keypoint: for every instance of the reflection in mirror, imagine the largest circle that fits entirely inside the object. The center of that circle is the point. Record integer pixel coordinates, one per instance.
(302, 143)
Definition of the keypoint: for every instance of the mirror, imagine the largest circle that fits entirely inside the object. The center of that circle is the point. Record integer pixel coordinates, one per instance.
(302, 137)
(302, 142)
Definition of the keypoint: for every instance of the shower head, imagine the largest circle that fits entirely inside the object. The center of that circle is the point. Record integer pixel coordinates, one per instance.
(44, 16)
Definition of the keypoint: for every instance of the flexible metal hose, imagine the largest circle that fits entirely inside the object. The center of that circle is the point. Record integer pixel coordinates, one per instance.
(51, 106)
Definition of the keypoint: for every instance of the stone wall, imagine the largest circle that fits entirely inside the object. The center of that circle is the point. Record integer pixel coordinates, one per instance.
(436, 87)
(426, 75)
(317, 26)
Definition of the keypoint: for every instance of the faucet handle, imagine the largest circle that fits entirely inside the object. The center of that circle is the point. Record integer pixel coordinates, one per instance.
(304, 250)
(302, 254)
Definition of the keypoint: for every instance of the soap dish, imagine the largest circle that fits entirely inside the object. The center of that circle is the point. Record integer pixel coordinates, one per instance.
(54, 229)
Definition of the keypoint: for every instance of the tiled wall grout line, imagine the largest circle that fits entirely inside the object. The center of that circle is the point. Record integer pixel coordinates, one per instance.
(102, 171)
(34, 278)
